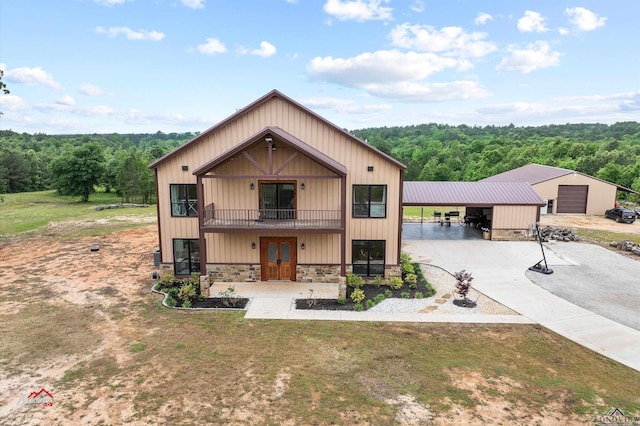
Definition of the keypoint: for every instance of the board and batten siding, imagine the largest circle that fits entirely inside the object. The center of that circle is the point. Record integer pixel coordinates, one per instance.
(510, 217)
(601, 195)
(318, 193)
(320, 249)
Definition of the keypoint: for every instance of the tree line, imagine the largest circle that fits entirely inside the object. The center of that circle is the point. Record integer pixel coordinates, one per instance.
(436, 152)
(75, 164)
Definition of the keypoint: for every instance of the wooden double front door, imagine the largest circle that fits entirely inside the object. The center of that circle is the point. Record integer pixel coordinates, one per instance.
(278, 258)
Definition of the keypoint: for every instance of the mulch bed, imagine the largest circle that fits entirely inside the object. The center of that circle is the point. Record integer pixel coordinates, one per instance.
(219, 303)
(370, 291)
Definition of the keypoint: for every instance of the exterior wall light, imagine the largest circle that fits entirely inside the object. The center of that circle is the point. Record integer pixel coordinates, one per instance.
(253, 246)
(251, 186)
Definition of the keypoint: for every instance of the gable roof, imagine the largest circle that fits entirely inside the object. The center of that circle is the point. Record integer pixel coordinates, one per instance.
(469, 194)
(531, 174)
(282, 137)
(256, 104)
(537, 173)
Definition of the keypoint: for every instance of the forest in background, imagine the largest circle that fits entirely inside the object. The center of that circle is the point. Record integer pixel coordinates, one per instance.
(431, 152)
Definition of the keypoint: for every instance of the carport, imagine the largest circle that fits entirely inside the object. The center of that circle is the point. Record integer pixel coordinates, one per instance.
(507, 210)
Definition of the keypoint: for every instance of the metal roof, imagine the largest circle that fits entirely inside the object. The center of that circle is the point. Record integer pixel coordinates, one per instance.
(469, 194)
(531, 174)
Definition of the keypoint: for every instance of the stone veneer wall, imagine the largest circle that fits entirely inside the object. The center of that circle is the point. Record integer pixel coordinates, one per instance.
(233, 273)
(510, 235)
(318, 273)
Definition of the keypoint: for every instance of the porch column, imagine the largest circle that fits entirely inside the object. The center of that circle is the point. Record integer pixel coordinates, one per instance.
(203, 243)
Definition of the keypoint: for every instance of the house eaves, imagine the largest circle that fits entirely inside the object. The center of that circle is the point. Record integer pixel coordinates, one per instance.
(280, 137)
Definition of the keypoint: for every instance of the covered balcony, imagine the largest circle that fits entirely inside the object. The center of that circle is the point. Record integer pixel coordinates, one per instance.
(226, 220)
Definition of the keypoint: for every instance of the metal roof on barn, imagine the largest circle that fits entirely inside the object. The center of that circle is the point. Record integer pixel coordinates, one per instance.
(469, 194)
(531, 174)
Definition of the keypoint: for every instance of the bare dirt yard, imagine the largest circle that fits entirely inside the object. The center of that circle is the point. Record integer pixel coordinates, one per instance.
(84, 326)
(590, 222)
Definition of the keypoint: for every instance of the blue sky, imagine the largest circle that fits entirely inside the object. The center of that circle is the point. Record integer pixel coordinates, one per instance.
(132, 66)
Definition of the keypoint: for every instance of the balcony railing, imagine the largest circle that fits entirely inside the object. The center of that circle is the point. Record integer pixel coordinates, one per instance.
(271, 219)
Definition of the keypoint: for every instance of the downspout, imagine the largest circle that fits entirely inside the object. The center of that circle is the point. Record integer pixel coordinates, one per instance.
(158, 216)
(400, 217)
(343, 236)
(203, 242)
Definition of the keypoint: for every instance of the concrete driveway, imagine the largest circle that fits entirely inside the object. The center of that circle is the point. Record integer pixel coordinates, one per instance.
(500, 271)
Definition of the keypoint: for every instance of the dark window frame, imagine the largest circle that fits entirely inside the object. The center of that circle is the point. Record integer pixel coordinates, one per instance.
(187, 203)
(191, 258)
(369, 246)
(363, 210)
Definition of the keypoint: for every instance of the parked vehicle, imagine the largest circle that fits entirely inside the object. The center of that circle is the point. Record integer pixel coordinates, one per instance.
(637, 211)
(621, 214)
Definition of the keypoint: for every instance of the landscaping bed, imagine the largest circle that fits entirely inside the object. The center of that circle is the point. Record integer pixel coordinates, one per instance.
(362, 296)
(185, 293)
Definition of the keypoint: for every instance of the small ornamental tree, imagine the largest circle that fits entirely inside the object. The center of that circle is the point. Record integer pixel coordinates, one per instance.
(463, 284)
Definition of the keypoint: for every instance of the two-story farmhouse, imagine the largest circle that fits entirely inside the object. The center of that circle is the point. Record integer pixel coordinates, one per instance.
(276, 192)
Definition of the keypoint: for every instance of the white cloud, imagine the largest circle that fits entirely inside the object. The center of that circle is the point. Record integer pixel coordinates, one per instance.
(448, 40)
(292, 1)
(130, 34)
(344, 106)
(380, 67)
(31, 77)
(417, 6)
(407, 91)
(90, 89)
(11, 103)
(193, 4)
(358, 10)
(66, 100)
(211, 47)
(534, 57)
(563, 31)
(109, 2)
(532, 22)
(89, 111)
(266, 49)
(584, 19)
(483, 18)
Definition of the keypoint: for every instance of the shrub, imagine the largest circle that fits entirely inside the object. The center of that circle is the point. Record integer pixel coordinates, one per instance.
(229, 297)
(186, 303)
(173, 292)
(405, 294)
(342, 301)
(186, 293)
(377, 281)
(378, 298)
(370, 304)
(194, 279)
(171, 302)
(357, 307)
(407, 266)
(388, 293)
(418, 295)
(413, 286)
(463, 283)
(354, 281)
(167, 279)
(395, 283)
(357, 295)
(411, 279)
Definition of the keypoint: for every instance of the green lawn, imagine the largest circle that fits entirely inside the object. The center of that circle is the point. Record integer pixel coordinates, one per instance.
(30, 211)
(413, 213)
